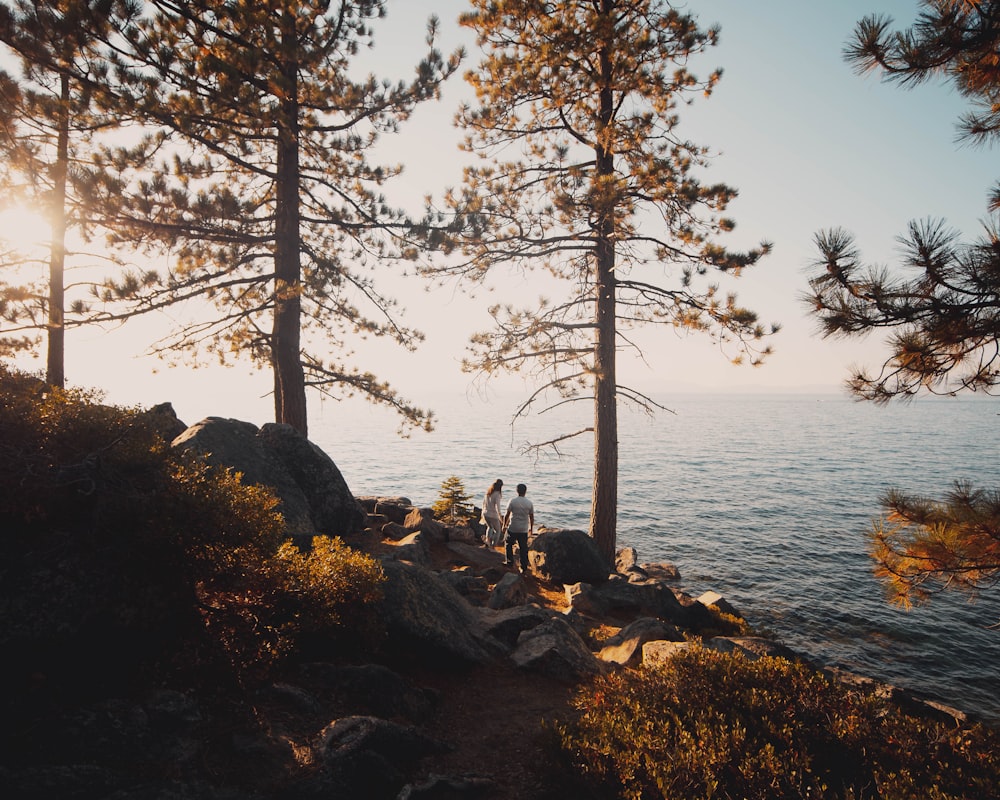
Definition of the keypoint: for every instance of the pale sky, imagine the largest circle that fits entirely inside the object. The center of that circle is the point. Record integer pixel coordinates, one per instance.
(808, 143)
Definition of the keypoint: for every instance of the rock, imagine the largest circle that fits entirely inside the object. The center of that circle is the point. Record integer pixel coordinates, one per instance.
(649, 598)
(232, 444)
(717, 601)
(510, 591)
(314, 498)
(412, 548)
(333, 508)
(752, 647)
(506, 625)
(694, 615)
(475, 555)
(394, 509)
(915, 705)
(461, 533)
(472, 587)
(625, 647)
(556, 650)
(393, 530)
(365, 757)
(164, 420)
(662, 571)
(658, 653)
(422, 519)
(427, 620)
(626, 559)
(567, 556)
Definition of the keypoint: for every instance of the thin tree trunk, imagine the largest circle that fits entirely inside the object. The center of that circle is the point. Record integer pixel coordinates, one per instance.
(289, 377)
(55, 368)
(604, 501)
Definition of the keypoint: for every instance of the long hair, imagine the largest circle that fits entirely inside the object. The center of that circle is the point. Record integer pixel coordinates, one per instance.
(496, 486)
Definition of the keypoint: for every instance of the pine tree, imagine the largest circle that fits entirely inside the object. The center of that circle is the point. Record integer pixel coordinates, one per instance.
(266, 194)
(48, 142)
(942, 308)
(605, 198)
(454, 503)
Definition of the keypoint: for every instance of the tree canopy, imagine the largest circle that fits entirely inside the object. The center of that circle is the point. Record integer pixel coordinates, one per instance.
(942, 307)
(585, 177)
(49, 134)
(254, 177)
(278, 211)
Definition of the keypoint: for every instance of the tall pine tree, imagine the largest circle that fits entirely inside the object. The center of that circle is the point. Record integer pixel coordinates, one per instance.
(604, 196)
(259, 181)
(48, 140)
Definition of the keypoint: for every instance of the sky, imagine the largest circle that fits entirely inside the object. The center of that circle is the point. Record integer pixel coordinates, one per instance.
(809, 144)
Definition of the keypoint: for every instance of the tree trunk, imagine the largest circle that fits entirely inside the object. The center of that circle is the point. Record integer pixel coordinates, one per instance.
(604, 501)
(286, 360)
(55, 367)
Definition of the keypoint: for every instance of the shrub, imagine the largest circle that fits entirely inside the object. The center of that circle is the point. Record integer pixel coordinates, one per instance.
(712, 725)
(107, 538)
(331, 589)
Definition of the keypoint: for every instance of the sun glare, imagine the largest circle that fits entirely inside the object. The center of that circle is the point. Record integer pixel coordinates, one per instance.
(23, 230)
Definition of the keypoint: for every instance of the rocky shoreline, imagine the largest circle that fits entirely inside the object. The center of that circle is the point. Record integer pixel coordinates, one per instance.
(474, 657)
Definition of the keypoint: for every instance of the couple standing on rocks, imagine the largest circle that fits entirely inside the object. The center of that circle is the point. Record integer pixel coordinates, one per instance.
(518, 522)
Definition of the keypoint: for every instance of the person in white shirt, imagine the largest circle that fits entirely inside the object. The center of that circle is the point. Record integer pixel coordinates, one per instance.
(491, 513)
(519, 523)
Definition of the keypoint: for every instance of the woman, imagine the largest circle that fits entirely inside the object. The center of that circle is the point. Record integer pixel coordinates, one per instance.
(492, 503)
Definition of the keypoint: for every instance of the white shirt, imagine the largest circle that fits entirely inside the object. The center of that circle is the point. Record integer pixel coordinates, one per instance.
(521, 510)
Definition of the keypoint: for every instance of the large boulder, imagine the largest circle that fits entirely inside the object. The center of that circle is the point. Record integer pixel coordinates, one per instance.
(556, 650)
(429, 621)
(164, 419)
(333, 509)
(313, 496)
(567, 556)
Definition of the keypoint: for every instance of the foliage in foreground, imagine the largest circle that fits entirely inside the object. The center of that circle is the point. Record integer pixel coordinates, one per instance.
(926, 545)
(121, 557)
(713, 725)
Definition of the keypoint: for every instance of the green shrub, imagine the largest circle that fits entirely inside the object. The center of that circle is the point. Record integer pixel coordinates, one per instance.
(330, 578)
(331, 590)
(712, 725)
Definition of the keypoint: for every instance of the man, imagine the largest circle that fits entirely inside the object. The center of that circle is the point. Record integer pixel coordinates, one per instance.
(518, 523)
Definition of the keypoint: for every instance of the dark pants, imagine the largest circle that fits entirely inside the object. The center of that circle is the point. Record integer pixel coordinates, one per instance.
(521, 538)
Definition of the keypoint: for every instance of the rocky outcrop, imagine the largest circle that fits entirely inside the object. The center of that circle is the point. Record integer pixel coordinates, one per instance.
(313, 496)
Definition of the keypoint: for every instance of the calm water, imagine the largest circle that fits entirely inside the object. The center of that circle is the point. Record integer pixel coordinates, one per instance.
(763, 498)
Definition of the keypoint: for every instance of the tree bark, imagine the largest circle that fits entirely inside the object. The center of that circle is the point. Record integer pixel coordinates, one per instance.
(286, 360)
(604, 501)
(55, 366)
